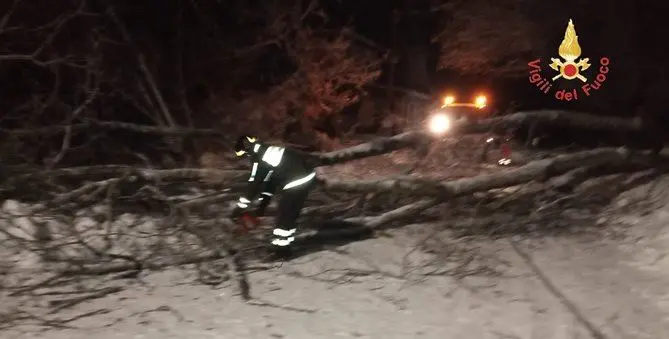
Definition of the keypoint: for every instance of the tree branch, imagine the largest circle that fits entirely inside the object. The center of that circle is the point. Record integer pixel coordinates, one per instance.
(535, 170)
(375, 147)
(58, 24)
(144, 68)
(556, 118)
(8, 15)
(114, 125)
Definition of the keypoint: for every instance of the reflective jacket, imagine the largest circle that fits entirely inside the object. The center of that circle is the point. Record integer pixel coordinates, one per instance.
(275, 168)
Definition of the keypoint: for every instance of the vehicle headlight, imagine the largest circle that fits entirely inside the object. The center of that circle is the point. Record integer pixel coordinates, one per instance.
(480, 101)
(439, 123)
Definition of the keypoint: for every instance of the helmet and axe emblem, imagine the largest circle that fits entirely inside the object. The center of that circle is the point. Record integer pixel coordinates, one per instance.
(570, 51)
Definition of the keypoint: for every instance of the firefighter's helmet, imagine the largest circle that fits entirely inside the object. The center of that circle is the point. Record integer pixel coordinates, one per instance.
(245, 145)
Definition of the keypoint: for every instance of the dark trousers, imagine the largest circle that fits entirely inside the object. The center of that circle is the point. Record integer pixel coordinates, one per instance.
(290, 205)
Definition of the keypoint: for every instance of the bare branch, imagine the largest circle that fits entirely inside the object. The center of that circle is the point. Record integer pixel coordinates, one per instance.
(375, 147)
(535, 170)
(144, 174)
(65, 145)
(8, 15)
(58, 24)
(114, 125)
(143, 67)
(422, 140)
(576, 120)
(485, 37)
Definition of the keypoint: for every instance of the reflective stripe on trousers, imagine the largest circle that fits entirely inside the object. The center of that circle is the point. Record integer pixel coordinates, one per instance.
(300, 181)
(283, 237)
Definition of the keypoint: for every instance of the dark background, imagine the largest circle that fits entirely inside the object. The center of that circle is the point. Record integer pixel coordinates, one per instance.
(281, 69)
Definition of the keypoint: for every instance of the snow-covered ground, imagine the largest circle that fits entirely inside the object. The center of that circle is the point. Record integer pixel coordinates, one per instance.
(377, 289)
(610, 283)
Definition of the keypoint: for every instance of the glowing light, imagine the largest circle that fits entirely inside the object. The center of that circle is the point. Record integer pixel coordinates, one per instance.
(449, 100)
(480, 101)
(439, 124)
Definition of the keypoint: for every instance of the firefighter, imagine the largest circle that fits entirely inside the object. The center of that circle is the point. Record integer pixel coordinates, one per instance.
(275, 170)
(502, 141)
(505, 147)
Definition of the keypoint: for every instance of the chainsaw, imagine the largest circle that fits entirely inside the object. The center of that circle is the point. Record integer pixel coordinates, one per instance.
(245, 223)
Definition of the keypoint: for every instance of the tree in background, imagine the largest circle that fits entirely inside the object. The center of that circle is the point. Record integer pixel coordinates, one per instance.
(498, 38)
(321, 72)
(484, 37)
(171, 64)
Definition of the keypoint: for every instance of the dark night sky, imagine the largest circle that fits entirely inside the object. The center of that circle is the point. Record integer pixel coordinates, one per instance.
(367, 17)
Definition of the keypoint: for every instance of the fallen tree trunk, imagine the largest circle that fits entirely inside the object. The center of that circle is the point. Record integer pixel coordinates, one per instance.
(432, 193)
(375, 147)
(422, 139)
(536, 170)
(429, 193)
(148, 174)
(89, 124)
(556, 118)
(567, 171)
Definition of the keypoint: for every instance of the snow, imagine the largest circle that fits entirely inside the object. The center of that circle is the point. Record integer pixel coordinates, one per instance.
(358, 291)
(614, 277)
(16, 220)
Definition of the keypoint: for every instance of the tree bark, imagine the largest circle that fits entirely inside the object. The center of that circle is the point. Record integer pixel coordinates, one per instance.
(556, 118)
(538, 170)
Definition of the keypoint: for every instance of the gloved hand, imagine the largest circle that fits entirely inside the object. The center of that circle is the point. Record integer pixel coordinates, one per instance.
(262, 206)
(237, 212)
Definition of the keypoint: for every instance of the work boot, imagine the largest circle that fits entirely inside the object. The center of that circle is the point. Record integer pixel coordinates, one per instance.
(279, 253)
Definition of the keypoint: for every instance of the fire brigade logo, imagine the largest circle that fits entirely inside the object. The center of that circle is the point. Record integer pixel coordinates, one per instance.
(570, 50)
(569, 66)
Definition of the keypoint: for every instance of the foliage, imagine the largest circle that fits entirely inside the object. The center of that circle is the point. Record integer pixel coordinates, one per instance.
(485, 37)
